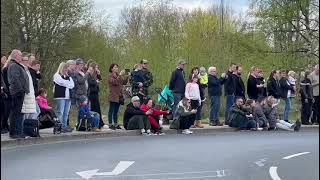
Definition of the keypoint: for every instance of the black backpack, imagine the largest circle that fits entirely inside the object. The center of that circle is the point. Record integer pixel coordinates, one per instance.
(84, 124)
(31, 127)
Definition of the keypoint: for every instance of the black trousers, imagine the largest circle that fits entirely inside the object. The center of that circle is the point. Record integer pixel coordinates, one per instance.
(139, 122)
(5, 112)
(315, 109)
(95, 106)
(195, 105)
(16, 117)
(306, 111)
(186, 122)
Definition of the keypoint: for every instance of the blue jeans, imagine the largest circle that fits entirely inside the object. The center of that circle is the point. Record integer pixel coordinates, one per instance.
(177, 98)
(287, 109)
(63, 108)
(95, 120)
(229, 103)
(215, 108)
(113, 113)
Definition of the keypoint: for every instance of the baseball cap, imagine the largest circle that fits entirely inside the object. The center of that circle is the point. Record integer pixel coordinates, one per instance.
(79, 61)
(135, 98)
(144, 61)
(182, 61)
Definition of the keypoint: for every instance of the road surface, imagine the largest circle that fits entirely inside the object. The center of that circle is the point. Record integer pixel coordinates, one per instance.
(221, 156)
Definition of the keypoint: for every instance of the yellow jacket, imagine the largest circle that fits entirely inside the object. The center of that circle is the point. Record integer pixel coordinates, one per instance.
(203, 79)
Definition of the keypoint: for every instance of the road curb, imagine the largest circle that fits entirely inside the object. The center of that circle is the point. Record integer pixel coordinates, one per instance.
(46, 138)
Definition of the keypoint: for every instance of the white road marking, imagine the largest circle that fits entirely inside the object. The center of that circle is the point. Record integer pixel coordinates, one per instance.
(273, 173)
(295, 155)
(196, 177)
(120, 168)
(220, 173)
(260, 162)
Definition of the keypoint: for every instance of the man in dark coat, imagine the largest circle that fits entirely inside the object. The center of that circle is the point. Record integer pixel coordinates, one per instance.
(135, 118)
(240, 118)
(240, 88)
(229, 90)
(177, 84)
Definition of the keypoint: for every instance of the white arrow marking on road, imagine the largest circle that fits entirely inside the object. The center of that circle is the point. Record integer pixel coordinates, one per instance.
(294, 155)
(273, 173)
(120, 168)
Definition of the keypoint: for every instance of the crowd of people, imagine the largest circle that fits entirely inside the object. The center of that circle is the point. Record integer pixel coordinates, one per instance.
(254, 106)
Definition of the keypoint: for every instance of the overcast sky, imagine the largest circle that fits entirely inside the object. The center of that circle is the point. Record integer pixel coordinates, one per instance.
(114, 7)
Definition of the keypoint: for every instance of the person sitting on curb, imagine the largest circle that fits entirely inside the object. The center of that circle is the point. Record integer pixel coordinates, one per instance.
(258, 114)
(240, 118)
(270, 111)
(148, 105)
(84, 112)
(135, 118)
(185, 117)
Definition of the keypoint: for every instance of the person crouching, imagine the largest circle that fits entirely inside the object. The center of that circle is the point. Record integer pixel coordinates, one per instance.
(84, 112)
(135, 118)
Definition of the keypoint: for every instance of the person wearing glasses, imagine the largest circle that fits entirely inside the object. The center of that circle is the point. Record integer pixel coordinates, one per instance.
(240, 118)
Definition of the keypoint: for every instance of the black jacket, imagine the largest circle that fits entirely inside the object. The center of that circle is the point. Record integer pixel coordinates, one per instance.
(215, 85)
(177, 82)
(230, 84)
(273, 88)
(93, 85)
(284, 87)
(35, 79)
(18, 79)
(253, 91)
(306, 89)
(240, 88)
(130, 112)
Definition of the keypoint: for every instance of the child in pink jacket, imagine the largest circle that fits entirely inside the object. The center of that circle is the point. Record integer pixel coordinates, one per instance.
(43, 103)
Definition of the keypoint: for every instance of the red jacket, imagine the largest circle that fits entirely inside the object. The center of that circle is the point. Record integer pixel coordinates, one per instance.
(155, 112)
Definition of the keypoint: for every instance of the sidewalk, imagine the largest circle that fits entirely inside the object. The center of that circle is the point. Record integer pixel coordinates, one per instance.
(48, 136)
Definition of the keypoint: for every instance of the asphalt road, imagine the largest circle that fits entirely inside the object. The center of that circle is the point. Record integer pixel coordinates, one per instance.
(225, 156)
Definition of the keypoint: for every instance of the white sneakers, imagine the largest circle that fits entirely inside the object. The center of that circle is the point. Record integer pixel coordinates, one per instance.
(186, 131)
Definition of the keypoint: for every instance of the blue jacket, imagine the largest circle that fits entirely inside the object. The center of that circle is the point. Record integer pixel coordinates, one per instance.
(84, 111)
(215, 85)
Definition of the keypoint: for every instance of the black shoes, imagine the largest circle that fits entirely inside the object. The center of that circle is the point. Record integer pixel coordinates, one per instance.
(297, 125)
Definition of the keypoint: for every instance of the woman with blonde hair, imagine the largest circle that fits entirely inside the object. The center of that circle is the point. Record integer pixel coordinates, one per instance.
(62, 85)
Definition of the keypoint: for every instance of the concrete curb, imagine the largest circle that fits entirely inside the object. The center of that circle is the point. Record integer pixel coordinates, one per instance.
(47, 138)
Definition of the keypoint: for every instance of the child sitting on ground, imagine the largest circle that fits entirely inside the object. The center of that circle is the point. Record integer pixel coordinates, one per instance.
(84, 112)
(43, 104)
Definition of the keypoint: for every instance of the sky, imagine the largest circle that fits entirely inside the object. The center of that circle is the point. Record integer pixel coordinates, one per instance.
(113, 7)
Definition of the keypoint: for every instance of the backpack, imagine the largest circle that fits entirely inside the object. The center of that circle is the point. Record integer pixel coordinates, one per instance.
(31, 127)
(84, 124)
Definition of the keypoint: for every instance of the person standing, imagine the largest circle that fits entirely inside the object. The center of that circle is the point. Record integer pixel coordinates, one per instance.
(5, 96)
(62, 85)
(215, 92)
(94, 79)
(147, 76)
(229, 90)
(72, 73)
(193, 94)
(80, 83)
(306, 98)
(314, 77)
(273, 85)
(35, 72)
(115, 82)
(254, 86)
(30, 108)
(177, 85)
(240, 88)
(18, 87)
(285, 89)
